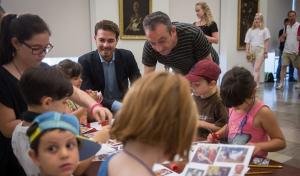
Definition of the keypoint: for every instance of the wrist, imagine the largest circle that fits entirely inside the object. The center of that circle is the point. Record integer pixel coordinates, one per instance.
(94, 106)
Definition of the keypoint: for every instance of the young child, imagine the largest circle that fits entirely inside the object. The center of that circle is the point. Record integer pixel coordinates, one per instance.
(43, 89)
(72, 71)
(157, 122)
(213, 113)
(55, 144)
(250, 120)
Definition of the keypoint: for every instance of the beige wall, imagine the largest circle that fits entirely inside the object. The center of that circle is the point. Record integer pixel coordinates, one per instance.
(69, 22)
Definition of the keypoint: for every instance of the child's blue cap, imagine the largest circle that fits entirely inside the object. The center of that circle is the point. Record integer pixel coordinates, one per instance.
(55, 120)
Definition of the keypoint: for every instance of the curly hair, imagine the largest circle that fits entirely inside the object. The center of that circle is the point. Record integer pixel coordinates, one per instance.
(207, 12)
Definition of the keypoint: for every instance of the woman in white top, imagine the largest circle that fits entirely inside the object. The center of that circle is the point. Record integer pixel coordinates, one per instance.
(257, 44)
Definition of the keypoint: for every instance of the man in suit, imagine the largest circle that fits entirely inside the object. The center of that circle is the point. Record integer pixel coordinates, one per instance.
(108, 69)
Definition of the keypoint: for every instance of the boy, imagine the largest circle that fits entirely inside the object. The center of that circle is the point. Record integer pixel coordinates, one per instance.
(213, 114)
(43, 89)
(55, 144)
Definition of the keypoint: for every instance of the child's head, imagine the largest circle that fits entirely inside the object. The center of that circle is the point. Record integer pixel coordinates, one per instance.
(158, 110)
(237, 86)
(45, 88)
(203, 77)
(55, 143)
(72, 71)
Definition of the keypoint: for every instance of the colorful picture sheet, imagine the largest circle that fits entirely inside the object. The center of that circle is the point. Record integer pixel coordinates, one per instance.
(161, 170)
(218, 159)
(107, 149)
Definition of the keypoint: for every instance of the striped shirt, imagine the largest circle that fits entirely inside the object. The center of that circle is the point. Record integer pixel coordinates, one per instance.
(191, 46)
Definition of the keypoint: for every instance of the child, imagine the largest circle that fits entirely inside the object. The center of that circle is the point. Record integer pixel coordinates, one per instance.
(157, 122)
(43, 89)
(55, 144)
(213, 113)
(250, 120)
(72, 71)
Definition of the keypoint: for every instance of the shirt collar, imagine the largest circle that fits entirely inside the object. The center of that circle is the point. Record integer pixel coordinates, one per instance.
(103, 61)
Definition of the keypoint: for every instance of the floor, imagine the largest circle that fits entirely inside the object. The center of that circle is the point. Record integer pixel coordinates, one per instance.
(286, 105)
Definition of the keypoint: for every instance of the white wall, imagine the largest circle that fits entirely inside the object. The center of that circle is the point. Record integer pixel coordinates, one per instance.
(69, 22)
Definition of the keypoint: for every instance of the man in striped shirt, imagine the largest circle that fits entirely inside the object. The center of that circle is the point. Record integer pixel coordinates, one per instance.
(176, 45)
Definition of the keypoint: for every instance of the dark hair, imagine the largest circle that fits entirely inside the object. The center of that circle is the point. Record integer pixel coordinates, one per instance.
(38, 82)
(152, 20)
(237, 85)
(107, 25)
(69, 68)
(22, 27)
(292, 11)
(34, 145)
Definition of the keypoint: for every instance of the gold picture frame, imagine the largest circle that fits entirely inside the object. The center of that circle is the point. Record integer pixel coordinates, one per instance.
(131, 15)
(246, 13)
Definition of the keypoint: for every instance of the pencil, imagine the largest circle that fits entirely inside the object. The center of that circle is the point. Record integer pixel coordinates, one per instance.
(258, 173)
(266, 166)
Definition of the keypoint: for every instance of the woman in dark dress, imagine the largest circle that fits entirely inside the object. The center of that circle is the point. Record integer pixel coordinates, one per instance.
(206, 23)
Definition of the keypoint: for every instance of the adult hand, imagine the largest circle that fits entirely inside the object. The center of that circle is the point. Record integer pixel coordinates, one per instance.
(100, 113)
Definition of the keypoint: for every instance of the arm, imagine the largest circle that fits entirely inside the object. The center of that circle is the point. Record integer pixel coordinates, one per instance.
(247, 48)
(214, 38)
(207, 125)
(83, 99)
(267, 120)
(8, 121)
(134, 71)
(85, 75)
(266, 47)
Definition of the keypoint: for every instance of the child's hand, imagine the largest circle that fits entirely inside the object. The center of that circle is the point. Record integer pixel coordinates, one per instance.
(257, 148)
(102, 136)
(212, 138)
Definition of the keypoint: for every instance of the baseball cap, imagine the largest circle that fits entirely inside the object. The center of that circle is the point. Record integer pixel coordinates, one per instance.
(204, 68)
(55, 120)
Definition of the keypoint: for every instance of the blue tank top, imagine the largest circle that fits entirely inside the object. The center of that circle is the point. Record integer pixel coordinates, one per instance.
(103, 171)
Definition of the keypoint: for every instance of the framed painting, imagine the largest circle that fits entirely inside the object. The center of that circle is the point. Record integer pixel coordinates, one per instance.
(131, 15)
(246, 13)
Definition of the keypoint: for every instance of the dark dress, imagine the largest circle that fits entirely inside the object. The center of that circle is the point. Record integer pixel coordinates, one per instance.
(208, 30)
(11, 97)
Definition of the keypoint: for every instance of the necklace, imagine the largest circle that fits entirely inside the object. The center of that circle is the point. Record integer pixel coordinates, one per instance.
(18, 70)
(139, 161)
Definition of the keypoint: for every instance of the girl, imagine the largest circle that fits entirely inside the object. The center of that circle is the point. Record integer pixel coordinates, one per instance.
(250, 120)
(72, 71)
(257, 45)
(157, 122)
(206, 23)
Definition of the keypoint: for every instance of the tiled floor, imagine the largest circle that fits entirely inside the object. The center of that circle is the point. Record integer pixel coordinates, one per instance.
(286, 105)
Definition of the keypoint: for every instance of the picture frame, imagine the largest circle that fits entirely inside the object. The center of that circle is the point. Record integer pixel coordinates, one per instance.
(131, 15)
(246, 13)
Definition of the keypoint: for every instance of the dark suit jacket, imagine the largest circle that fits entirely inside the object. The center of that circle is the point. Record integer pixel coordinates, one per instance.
(93, 76)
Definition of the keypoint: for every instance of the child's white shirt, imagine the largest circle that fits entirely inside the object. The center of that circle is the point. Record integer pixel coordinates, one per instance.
(20, 145)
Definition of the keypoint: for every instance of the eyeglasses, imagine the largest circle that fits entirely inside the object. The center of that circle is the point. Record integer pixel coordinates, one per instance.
(39, 50)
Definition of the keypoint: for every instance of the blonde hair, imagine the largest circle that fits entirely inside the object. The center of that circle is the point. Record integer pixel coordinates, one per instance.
(207, 12)
(158, 110)
(261, 18)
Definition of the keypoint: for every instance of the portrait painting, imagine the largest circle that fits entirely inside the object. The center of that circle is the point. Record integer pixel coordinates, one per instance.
(246, 13)
(131, 15)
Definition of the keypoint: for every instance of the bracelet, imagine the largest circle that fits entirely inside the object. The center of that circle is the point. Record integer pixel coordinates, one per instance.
(93, 107)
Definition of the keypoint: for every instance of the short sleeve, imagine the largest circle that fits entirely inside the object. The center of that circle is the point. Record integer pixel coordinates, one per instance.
(213, 27)
(267, 34)
(148, 58)
(247, 37)
(201, 46)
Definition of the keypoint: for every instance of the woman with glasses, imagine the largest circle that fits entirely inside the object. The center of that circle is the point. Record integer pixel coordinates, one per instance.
(24, 42)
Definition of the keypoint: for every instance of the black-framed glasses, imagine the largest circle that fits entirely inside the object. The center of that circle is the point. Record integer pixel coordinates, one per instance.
(39, 50)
